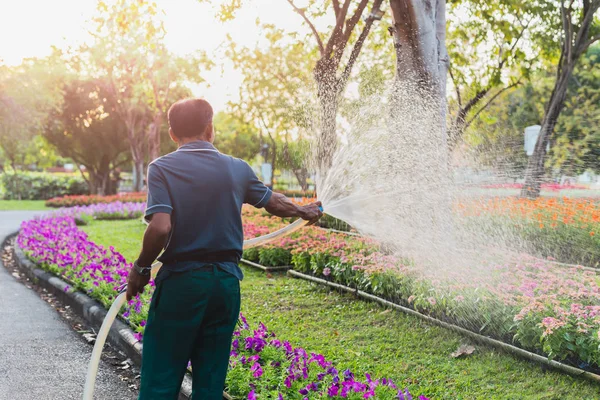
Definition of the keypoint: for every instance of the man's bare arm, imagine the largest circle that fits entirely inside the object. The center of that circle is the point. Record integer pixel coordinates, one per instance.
(155, 238)
(281, 206)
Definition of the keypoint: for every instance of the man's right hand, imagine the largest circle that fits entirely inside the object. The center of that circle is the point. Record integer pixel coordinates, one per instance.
(311, 212)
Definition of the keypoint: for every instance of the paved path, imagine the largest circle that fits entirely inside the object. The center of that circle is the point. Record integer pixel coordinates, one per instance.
(41, 358)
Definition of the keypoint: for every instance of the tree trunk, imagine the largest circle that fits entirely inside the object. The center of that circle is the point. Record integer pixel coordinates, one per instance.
(328, 95)
(535, 171)
(138, 175)
(301, 175)
(154, 137)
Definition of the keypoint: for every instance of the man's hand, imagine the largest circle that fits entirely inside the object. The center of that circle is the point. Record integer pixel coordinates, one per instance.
(136, 283)
(311, 212)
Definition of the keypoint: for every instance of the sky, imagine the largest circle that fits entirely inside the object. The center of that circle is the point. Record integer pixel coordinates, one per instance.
(29, 28)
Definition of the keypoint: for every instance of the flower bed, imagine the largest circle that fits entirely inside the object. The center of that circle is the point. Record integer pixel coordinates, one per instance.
(261, 366)
(267, 368)
(553, 187)
(74, 201)
(548, 309)
(103, 211)
(565, 229)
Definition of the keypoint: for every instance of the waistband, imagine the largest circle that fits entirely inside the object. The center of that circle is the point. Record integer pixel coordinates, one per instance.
(215, 257)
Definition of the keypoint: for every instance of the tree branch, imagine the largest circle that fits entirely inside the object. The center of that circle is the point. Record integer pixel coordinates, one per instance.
(458, 96)
(566, 20)
(336, 7)
(358, 46)
(310, 24)
(490, 101)
(514, 45)
(590, 42)
(476, 99)
(338, 29)
(350, 25)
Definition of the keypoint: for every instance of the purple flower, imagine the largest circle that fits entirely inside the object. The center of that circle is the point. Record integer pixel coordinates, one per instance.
(256, 370)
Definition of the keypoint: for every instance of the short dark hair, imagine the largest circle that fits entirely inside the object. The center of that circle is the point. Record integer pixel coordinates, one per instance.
(190, 117)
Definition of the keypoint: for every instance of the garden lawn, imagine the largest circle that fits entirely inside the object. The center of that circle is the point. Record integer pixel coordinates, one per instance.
(22, 205)
(367, 338)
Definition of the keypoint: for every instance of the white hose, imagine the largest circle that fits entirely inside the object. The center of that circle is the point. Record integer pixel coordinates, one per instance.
(90, 381)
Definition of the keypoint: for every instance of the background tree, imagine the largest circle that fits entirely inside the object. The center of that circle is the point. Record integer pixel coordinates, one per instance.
(27, 93)
(580, 29)
(491, 48)
(129, 50)
(276, 94)
(236, 137)
(88, 130)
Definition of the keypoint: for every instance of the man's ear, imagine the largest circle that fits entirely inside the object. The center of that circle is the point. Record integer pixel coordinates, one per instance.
(172, 135)
(209, 132)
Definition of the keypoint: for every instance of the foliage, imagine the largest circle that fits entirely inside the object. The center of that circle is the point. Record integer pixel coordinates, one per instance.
(275, 95)
(87, 129)
(143, 76)
(40, 186)
(27, 93)
(496, 139)
(576, 143)
(493, 47)
(74, 201)
(236, 138)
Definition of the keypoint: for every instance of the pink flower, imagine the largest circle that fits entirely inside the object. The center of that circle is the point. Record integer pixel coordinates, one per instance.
(432, 301)
(326, 271)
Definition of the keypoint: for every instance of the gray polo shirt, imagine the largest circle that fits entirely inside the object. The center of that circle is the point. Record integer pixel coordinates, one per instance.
(203, 190)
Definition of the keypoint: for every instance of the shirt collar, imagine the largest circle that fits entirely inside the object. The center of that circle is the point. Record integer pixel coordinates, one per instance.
(197, 145)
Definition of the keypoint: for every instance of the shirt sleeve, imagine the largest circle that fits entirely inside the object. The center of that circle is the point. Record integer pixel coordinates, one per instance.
(159, 199)
(257, 194)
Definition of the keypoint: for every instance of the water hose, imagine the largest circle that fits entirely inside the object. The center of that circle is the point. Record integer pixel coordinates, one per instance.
(90, 381)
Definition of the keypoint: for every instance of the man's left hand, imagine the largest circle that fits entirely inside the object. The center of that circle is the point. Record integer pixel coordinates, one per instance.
(136, 283)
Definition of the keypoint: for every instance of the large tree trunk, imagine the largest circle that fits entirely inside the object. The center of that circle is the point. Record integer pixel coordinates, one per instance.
(418, 113)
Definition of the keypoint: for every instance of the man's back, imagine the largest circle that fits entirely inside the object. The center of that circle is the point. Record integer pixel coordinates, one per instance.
(204, 191)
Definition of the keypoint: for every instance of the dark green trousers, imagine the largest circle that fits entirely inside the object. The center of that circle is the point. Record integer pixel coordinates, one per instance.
(192, 317)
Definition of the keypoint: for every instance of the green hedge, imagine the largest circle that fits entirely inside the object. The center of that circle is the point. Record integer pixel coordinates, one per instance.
(40, 186)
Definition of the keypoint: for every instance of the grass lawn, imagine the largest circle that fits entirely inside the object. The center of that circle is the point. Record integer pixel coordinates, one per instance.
(367, 338)
(22, 205)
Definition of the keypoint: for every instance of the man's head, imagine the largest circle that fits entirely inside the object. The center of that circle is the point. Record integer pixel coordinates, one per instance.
(191, 119)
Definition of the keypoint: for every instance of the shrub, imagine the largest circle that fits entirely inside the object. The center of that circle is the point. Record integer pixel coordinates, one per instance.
(41, 186)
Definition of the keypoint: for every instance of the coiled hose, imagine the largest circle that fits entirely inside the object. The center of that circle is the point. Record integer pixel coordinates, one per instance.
(90, 381)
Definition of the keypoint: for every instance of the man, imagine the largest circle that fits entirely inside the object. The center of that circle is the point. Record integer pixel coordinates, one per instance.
(195, 196)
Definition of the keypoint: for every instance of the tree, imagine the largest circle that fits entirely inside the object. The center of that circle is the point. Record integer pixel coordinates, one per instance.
(333, 68)
(576, 142)
(129, 50)
(275, 96)
(88, 130)
(495, 139)
(491, 50)
(27, 93)
(236, 137)
(580, 29)
(293, 156)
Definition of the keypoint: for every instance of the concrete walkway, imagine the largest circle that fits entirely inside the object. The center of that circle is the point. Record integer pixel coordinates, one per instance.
(41, 358)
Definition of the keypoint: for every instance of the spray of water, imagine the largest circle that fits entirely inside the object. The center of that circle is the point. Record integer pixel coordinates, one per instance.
(390, 179)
